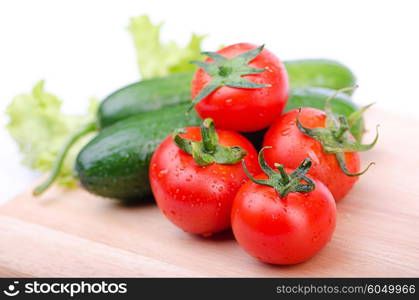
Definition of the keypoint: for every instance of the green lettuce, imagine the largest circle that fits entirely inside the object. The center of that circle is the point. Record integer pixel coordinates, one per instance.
(156, 59)
(40, 130)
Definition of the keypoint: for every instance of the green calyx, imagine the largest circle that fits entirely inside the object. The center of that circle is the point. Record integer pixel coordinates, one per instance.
(282, 182)
(336, 138)
(228, 72)
(208, 150)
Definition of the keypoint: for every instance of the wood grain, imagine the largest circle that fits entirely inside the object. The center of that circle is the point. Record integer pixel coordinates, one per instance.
(73, 233)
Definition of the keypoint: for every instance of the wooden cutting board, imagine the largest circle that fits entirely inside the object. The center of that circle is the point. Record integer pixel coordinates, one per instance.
(73, 233)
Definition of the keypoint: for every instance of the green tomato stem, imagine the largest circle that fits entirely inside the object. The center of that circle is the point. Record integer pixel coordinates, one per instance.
(209, 136)
(282, 182)
(208, 150)
(228, 72)
(335, 137)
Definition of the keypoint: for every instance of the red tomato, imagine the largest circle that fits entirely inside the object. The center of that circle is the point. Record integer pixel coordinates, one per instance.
(245, 109)
(291, 146)
(195, 198)
(286, 230)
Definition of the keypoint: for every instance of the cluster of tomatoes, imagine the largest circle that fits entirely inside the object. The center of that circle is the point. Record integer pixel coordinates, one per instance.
(280, 203)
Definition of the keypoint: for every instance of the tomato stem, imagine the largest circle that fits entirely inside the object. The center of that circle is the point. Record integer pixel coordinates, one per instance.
(356, 115)
(342, 129)
(208, 150)
(342, 164)
(284, 175)
(209, 137)
(335, 136)
(282, 182)
(228, 72)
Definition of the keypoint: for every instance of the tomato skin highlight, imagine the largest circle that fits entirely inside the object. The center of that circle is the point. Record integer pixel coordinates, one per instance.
(283, 231)
(290, 146)
(241, 109)
(195, 198)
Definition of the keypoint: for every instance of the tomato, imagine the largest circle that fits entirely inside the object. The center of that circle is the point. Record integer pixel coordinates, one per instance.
(290, 146)
(237, 101)
(194, 192)
(286, 228)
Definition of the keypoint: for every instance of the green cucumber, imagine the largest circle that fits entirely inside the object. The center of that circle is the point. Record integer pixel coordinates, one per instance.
(319, 73)
(115, 163)
(143, 96)
(316, 97)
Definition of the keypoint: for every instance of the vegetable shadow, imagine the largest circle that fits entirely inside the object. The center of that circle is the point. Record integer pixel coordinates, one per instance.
(135, 202)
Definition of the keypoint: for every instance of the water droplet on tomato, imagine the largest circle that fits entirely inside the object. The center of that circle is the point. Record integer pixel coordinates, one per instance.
(286, 132)
(313, 156)
(162, 173)
(229, 102)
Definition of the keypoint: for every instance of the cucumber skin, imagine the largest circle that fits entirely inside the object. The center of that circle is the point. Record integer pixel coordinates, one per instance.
(144, 96)
(319, 73)
(316, 97)
(115, 163)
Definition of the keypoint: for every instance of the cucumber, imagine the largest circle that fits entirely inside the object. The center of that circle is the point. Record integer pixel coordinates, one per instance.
(115, 163)
(315, 97)
(143, 96)
(319, 73)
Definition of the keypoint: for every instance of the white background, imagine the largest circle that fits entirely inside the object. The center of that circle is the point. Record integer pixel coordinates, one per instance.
(82, 48)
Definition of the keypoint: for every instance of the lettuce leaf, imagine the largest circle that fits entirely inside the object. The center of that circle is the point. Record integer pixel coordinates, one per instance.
(156, 59)
(40, 129)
